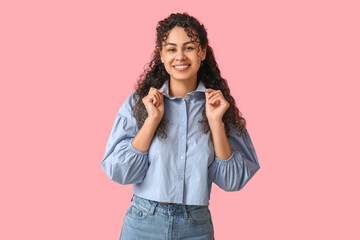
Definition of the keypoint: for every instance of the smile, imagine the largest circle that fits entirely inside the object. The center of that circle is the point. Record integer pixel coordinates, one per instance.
(181, 68)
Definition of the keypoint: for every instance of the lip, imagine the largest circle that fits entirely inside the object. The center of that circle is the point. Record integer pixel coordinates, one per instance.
(181, 69)
(181, 64)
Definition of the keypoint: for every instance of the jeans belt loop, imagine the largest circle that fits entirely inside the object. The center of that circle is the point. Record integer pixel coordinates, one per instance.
(185, 212)
(152, 208)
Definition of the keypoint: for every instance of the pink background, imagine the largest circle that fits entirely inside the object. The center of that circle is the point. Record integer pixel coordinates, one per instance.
(293, 67)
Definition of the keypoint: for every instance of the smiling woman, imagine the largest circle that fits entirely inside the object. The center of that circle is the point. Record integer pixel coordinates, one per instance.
(177, 133)
(181, 61)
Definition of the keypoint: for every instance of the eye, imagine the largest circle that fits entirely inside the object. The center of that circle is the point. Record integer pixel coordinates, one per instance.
(173, 49)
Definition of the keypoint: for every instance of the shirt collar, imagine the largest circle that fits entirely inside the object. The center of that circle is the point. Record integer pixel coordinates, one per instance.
(200, 88)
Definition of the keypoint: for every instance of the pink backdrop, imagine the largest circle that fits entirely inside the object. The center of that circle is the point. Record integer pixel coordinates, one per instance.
(293, 67)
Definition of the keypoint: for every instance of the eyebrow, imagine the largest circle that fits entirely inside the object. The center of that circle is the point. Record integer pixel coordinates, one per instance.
(175, 44)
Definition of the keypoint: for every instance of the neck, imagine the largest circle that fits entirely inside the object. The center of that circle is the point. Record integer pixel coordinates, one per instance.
(181, 88)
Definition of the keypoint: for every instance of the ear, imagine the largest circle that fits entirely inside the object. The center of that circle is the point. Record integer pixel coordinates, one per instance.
(203, 55)
(160, 53)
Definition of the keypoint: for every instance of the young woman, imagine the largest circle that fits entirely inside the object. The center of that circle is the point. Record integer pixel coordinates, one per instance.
(178, 132)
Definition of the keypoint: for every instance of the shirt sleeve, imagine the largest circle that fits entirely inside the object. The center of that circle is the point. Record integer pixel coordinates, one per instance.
(233, 173)
(122, 162)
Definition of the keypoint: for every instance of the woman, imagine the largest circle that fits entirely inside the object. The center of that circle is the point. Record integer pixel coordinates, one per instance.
(178, 132)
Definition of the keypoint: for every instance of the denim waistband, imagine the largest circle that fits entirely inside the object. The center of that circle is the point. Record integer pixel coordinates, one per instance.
(172, 208)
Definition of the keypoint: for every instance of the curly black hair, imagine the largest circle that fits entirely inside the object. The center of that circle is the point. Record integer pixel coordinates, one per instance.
(155, 75)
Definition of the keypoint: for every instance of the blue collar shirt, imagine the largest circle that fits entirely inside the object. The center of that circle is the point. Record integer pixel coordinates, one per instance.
(180, 168)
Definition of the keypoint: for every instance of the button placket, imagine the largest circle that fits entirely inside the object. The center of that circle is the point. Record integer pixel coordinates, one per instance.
(182, 150)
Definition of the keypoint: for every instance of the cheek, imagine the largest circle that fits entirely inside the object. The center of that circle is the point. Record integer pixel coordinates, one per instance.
(197, 67)
(167, 66)
(168, 62)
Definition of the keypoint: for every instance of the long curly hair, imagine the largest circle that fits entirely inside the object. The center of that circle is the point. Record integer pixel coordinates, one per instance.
(155, 75)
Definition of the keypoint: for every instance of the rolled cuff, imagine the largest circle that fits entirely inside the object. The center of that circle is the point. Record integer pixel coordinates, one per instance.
(131, 147)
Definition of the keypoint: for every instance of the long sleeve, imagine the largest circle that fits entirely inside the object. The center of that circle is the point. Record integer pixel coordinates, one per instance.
(122, 162)
(233, 174)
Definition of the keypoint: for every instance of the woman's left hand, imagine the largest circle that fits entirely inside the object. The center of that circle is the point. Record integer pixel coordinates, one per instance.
(216, 105)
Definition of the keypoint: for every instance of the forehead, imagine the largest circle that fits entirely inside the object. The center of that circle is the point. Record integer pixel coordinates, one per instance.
(178, 35)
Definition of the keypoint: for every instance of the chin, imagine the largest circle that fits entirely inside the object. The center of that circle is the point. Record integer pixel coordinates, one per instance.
(183, 77)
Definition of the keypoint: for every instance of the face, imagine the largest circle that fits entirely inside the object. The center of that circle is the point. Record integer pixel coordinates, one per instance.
(180, 56)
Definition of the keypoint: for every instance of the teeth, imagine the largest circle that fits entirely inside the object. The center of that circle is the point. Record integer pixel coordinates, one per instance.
(181, 66)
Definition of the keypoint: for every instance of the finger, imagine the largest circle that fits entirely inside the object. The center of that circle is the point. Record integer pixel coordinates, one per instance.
(157, 95)
(161, 97)
(156, 100)
(212, 94)
(207, 96)
(152, 99)
(151, 90)
(209, 90)
(149, 101)
(215, 92)
(150, 95)
(215, 100)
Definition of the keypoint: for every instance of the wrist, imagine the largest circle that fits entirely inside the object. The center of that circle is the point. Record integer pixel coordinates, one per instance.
(216, 123)
(153, 120)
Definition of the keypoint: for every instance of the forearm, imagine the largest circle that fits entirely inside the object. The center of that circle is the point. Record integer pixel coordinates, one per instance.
(143, 138)
(221, 143)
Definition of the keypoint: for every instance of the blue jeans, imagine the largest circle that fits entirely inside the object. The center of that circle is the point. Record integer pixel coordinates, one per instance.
(150, 220)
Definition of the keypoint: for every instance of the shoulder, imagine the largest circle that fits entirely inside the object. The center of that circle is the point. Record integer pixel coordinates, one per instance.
(127, 105)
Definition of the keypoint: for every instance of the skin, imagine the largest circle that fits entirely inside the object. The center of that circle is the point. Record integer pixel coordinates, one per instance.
(182, 83)
(177, 50)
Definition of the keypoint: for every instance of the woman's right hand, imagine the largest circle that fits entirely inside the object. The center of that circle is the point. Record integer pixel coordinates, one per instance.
(154, 104)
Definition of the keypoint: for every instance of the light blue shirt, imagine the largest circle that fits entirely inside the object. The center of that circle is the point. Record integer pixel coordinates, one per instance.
(181, 168)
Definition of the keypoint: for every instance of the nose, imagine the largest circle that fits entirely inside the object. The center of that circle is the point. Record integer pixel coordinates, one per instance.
(180, 55)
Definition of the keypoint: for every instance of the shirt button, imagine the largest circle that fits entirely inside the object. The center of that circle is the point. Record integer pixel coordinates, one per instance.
(181, 157)
(182, 138)
(183, 119)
